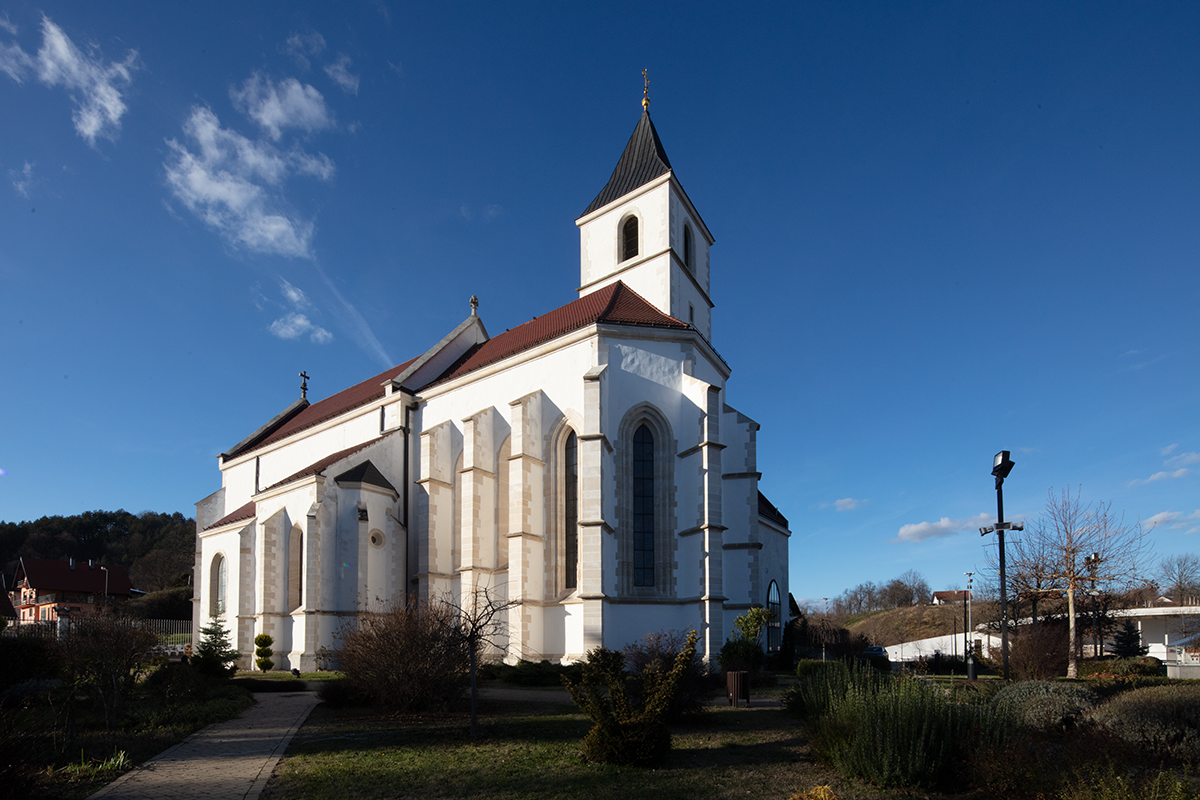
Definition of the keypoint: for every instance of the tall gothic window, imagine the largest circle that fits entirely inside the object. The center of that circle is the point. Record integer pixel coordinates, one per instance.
(775, 625)
(571, 512)
(218, 577)
(689, 254)
(643, 507)
(629, 238)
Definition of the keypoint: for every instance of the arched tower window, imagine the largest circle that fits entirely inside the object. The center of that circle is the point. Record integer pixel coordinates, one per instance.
(643, 507)
(775, 625)
(218, 579)
(689, 250)
(571, 512)
(629, 238)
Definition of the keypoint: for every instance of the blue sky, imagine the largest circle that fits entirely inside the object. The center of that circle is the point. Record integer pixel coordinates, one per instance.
(942, 230)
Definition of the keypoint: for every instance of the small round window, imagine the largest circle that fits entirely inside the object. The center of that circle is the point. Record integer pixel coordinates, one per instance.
(376, 539)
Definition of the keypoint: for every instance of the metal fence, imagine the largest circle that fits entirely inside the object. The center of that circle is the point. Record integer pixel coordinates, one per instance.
(173, 634)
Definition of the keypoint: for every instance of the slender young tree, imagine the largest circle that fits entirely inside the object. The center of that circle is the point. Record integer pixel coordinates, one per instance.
(1083, 547)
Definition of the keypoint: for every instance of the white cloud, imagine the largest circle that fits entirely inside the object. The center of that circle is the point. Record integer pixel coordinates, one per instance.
(287, 104)
(920, 531)
(1160, 476)
(1174, 521)
(95, 87)
(357, 325)
(233, 184)
(339, 71)
(300, 47)
(1182, 459)
(296, 323)
(845, 504)
(14, 62)
(1166, 451)
(23, 179)
(7, 25)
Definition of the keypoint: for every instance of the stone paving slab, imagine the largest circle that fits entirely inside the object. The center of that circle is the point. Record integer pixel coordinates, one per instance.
(231, 759)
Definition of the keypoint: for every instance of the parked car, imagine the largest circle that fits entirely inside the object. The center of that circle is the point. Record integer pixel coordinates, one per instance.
(877, 657)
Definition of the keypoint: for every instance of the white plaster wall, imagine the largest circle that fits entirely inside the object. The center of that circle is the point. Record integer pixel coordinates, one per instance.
(598, 238)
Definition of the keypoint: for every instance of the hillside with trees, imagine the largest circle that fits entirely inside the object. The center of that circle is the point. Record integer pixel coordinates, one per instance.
(157, 549)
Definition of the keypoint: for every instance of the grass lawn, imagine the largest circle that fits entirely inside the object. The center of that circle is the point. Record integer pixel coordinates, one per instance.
(531, 749)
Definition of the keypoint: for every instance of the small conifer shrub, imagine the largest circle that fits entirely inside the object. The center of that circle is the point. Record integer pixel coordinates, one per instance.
(263, 652)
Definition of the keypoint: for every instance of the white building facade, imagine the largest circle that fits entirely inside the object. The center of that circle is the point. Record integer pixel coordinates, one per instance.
(586, 465)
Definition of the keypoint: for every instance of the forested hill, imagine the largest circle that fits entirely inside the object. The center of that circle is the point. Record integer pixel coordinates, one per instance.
(158, 549)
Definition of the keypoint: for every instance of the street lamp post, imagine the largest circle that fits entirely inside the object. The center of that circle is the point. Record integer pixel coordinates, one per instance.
(105, 586)
(967, 648)
(1001, 466)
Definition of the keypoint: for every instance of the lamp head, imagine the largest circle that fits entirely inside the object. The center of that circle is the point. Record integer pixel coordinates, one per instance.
(1002, 465)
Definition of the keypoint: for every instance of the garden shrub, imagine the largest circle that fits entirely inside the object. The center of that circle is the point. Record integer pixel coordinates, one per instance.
(1163, 720)
(106, 655)
(902, 733)
(408, 658)
(25, 658)
(975, 693)
(743, 650)
(658, 651)
(531, 673)
(625, 732)
(1109, 783)
(1038, 653)
(263, 652)
(1043, 705)
(821, 681)
(1121, 667)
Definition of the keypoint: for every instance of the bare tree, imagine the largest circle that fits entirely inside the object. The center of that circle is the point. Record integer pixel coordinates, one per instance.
(1083, 546)
(918, 587)
(1031, 572)
(1180, 575)
(482, 620)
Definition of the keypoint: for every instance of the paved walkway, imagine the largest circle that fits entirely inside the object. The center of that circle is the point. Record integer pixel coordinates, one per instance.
(231, 759)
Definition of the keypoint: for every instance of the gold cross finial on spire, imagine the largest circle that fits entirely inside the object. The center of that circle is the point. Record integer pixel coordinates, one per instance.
(646, 92)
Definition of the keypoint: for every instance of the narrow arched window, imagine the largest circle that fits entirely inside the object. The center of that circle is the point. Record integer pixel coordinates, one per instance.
(775, 625)
(629, 238)
(689, 251)
(218, 577)
(643, 507)
(571, 512)
(295, 581)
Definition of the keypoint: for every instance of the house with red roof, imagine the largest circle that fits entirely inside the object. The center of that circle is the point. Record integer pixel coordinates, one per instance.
(588, 466)
(44, 589)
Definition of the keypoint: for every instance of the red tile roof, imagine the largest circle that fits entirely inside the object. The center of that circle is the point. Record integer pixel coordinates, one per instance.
(58, 576)
(245, 512)
(335, 405)
(615, 304)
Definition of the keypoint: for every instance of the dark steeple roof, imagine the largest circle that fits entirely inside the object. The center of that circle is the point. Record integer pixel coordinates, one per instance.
(643, 160)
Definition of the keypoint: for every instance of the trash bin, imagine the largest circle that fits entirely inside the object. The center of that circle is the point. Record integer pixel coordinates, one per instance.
(737, 686)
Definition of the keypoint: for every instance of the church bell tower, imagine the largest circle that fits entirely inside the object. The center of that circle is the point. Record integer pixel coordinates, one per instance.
(643, 230)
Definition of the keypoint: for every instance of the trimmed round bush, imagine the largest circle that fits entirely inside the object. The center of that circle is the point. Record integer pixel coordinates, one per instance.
(1163, 720)
(636, 743)
(1043, 705)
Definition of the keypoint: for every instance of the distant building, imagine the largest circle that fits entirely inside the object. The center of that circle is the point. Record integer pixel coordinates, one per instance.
(41, 588)
(587, 465)
(951, 597)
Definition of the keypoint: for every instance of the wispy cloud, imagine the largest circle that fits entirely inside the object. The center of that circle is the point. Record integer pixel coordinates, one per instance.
(920, 531)
(233, 184)
(1182, 459)
(7, 25)
(357, 325)
(287, 104)
(296, 323)
(339, 72)
(301, 46)
(95, 87)
(15, 62)
(1174, 521)
(1166, 451)
(489, 212)
(22, 179)
(845, 504)
(1161, 476)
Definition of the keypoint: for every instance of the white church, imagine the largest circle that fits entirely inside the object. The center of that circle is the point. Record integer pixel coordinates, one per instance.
(586, 465)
